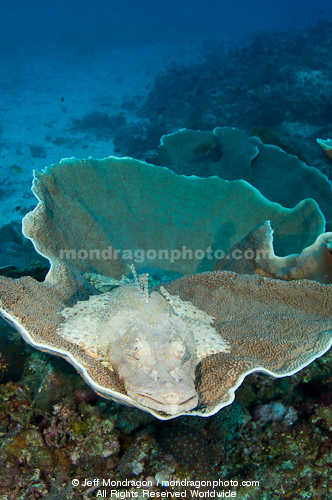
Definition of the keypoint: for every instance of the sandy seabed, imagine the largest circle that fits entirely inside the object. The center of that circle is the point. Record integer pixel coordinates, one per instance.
(42, 95)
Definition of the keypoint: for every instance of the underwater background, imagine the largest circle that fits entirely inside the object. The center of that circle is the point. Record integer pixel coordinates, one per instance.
(93, 79)
(111, 78)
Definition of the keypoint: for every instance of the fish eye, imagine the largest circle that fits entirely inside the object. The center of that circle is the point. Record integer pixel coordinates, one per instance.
(141, 349)
(178, 349)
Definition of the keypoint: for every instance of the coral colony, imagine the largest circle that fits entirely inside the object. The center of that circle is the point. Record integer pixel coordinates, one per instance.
(142, 348)
(170, 331)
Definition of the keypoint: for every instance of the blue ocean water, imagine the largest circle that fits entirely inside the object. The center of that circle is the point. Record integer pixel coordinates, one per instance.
(109, 77)
(37, 24)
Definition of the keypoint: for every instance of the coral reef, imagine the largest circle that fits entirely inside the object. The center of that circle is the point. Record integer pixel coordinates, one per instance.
(275, 80)
(231, 154)
(43, 448)
(193, 351)
(276, 432)
(276, 435)
(101, 123)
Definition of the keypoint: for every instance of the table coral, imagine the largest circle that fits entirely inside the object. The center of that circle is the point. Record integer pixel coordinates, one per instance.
(229, 153)
(314, 262)
(220, 326)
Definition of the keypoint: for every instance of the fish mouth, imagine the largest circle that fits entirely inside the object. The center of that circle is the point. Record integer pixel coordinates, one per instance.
(168, 407)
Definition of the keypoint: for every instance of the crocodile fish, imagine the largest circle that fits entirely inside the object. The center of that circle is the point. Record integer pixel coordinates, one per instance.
(153, 342)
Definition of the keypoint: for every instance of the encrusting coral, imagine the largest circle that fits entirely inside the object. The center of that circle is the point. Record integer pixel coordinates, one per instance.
(94, 216)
